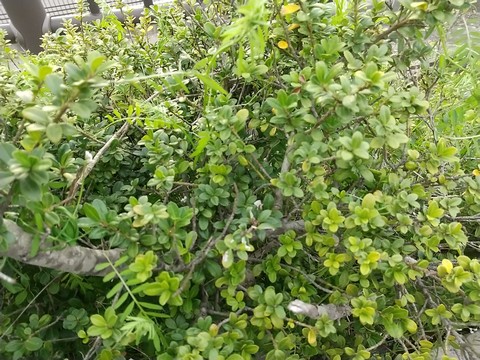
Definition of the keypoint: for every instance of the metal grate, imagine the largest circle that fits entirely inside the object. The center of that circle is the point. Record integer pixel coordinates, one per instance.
(3, 16)
(68, 7)
(126, 2)
(60, 7)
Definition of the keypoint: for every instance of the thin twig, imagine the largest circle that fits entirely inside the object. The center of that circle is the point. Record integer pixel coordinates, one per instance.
(87, 169)
(473, 218)
(285, 167)
(305, 275)
(58, 319)
(28, 306)
(380, 343)
(299, 323)
(255, 160)
(93, 350)
(394, 28)
(210, 244)
(182, 183)
(320, 119)
(224, 321)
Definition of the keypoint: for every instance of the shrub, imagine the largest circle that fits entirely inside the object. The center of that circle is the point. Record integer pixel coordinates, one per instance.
(278, 180)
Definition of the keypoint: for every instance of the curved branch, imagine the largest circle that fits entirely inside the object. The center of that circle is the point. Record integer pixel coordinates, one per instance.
(395, 27)
(87, 169)
(73, 259)
(81, 260)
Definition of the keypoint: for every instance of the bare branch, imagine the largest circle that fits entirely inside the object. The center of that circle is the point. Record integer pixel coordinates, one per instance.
(395, 27)
(7, 278)
(334, 312)
(298, 226)
(87, 169)
(72, 259)
(472, 218)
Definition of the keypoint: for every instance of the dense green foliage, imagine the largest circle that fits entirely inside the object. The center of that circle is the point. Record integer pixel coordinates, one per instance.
(325, 152)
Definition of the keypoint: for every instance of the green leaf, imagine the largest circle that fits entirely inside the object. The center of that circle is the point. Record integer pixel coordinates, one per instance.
(110, 316)
(13, 345)
(43, 71)
(270, 296)
(164, 297)
(151, 306)
(349, 101)
(54, 83)
(101, 208)
(235, 357)
(6, 151)
(202, 63)
(227, 259)
(400, 277)
(30, 189)
(33, 344)
(5, 179)
(411, 326)
(95, 60)
(98, 320)
(202, 143)
(35, 247)
(91, 212)
(54, 132)
(210, 83)
(114, 290)
(83, 108)
(276, 321)
(242, 115)
(36, 114)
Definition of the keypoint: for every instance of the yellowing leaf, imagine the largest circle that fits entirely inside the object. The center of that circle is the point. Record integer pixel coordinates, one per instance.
(213, 330)
(421, 5)
(411, 326)
(282, 44)
(476, 172)
(312, 337)
(242, 160)
(289, 9)
(445, 268)
(293, 27)
(374, 256)
(448, 264)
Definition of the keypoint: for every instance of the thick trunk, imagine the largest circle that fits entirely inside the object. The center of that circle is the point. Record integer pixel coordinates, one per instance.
(72, 259)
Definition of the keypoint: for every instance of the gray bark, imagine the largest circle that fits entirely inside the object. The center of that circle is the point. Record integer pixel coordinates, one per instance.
(72, 259)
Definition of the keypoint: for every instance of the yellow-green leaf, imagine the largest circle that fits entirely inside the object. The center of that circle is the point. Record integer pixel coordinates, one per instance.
(420, 5)
(312, 337)
(411, 326)
(289, 9)
(447, 266)
(98, 320)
